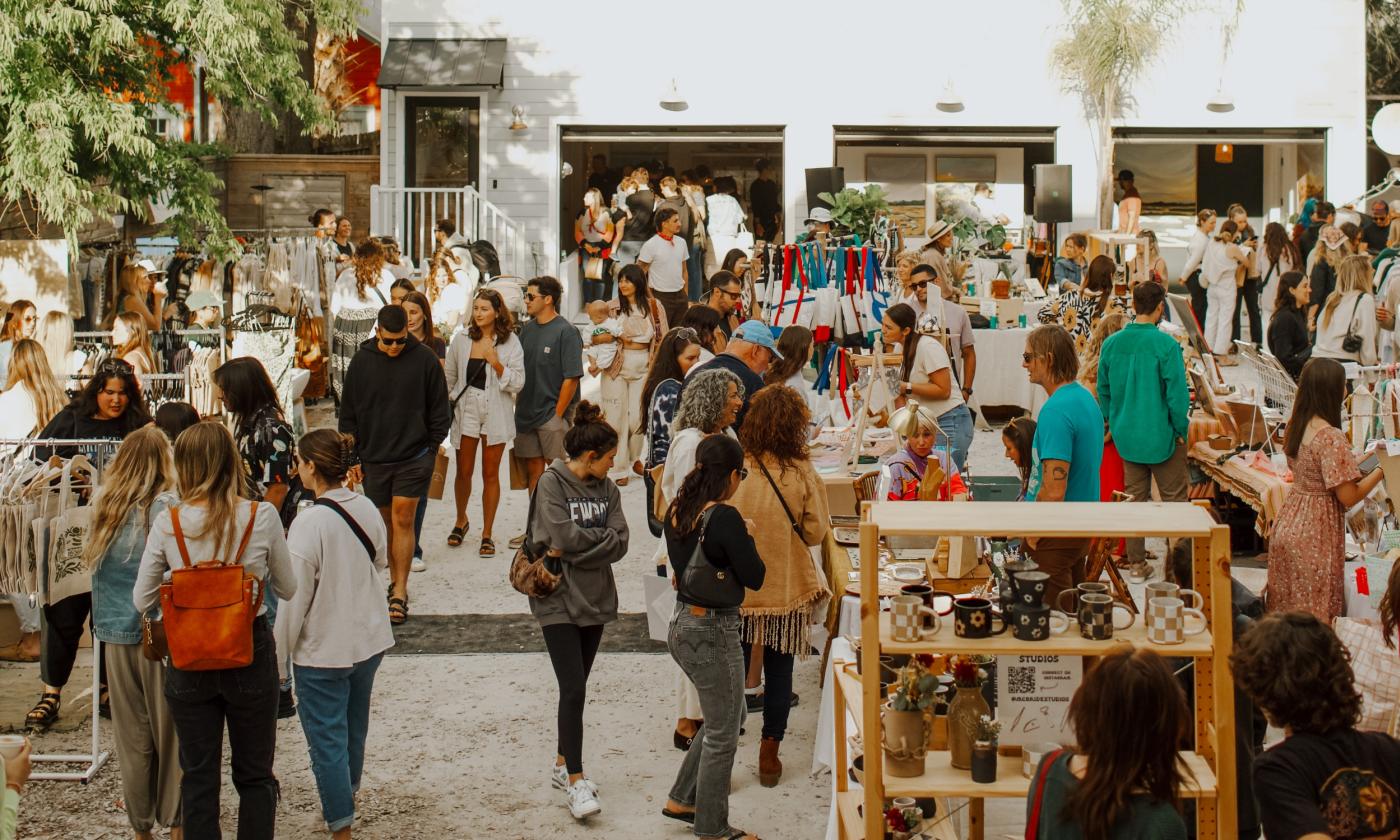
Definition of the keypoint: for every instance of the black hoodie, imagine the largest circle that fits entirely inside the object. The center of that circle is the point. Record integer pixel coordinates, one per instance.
(395, 407)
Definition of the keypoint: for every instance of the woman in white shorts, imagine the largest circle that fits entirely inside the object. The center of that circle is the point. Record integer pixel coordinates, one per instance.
(485, 371)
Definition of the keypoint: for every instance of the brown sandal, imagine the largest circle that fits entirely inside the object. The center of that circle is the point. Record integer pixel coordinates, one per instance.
(398, 610)
(488, 547)
(45, 712)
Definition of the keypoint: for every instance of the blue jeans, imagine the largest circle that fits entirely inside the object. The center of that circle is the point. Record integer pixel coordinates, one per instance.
(708, 650)
(418, 526)
(334, 712)
(956, 423)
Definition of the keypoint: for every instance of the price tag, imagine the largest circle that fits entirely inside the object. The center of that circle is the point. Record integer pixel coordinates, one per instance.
(1033, 694)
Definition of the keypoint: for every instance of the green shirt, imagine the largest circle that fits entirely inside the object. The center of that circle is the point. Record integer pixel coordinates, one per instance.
(1142, 393)
(1148, 819)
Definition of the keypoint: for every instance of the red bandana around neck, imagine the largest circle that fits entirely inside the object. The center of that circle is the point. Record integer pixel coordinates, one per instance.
(666, 236)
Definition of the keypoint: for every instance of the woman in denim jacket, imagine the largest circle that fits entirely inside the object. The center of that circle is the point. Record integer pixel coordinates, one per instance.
(135, 488)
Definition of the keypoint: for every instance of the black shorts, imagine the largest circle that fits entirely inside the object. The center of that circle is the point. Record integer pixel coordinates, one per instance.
(407, 479)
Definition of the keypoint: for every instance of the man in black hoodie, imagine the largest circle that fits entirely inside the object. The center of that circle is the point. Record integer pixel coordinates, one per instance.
(395, 404)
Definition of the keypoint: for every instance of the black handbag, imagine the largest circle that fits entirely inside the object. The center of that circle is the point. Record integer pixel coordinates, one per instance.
(1351, 342)
(705, 584)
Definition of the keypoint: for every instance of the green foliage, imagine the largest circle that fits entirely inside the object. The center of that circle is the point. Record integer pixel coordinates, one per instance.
(857, 210)
(917, 689)
(1383, 46)
(81, 79)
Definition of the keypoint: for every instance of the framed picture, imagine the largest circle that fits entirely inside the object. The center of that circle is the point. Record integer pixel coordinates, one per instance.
(969, 169)
(905, 179)
(896, 169)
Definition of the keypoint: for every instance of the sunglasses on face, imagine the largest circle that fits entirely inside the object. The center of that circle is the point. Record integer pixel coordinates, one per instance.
(743, 473)
(532, 296)
(735, 295)
(1026, 357)
(920, 284)
(392, 342)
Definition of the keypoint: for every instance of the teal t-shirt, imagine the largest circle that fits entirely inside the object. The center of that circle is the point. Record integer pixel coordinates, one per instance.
(1069, 428)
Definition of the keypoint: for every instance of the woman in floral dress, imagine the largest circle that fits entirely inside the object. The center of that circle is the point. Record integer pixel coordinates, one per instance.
(1307, 548)
(1081, 310)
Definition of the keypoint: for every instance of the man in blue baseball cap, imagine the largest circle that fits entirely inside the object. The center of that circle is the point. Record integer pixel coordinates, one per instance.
(750, 351)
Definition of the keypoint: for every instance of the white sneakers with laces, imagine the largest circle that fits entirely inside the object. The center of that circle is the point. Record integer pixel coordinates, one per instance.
(583, 794)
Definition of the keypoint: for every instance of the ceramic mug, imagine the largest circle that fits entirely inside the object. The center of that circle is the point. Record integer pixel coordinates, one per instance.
(1005, 593)
(1079, 589)
(920, 590)
(1033, 753)
(975, 619)
(1164, 589)
(1029, 587)
(907, 615)
(1166, 621)
(1036, 624)
(1096, 612)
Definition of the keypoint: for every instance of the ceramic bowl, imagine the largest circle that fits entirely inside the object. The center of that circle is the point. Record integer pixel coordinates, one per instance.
(907, 572)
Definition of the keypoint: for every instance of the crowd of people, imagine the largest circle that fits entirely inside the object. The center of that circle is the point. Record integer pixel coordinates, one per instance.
(715, 414)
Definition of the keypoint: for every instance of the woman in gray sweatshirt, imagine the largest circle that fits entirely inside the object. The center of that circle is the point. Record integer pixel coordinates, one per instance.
(578, 514)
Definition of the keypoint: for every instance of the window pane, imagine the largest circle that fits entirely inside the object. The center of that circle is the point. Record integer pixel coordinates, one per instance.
(444, 137)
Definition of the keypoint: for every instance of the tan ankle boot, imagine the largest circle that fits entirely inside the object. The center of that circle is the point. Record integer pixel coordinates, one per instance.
(770, 768)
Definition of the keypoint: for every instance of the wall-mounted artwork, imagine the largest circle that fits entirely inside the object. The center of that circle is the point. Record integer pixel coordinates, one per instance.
(965, 169)
(905, 179)
(1164, 174)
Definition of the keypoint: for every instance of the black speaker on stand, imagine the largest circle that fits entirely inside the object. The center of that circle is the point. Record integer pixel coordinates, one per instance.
(828, 179)
(1052, 193)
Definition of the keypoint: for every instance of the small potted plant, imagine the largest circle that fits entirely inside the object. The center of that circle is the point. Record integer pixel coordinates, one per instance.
(902, 823)
(984, 750)
(967, 707)
(905, 738)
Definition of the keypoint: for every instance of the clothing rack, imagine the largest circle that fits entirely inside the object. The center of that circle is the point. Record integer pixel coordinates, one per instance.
(98, 452)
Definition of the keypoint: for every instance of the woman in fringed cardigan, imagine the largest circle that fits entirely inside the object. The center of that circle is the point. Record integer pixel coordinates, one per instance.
(778, 616)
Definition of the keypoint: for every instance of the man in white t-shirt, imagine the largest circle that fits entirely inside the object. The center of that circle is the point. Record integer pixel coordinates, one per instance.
(663, 258)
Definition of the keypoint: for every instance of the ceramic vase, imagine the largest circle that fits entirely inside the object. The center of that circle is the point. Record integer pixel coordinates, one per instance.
(964, 712)
(904, 741)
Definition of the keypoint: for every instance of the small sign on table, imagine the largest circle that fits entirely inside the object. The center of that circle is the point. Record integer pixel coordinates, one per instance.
(1033, 694)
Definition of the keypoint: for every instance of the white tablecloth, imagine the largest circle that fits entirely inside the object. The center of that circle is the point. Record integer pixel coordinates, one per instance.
(1000, 378)
(824, 749)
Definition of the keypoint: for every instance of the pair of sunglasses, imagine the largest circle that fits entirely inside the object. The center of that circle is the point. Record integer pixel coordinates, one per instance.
(393, 341)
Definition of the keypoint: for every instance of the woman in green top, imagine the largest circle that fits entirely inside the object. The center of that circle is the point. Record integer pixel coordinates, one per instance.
(1123, 781)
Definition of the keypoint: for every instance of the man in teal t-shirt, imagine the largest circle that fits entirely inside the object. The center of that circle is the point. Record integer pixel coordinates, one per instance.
(1142, 391)
(1066, 451)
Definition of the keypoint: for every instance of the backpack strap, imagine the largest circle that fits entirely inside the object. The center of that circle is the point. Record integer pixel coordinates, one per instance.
(180, 536)
(349, 520)
(247, 533)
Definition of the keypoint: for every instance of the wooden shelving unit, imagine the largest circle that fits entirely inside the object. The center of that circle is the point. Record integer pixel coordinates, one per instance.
(1212, 762)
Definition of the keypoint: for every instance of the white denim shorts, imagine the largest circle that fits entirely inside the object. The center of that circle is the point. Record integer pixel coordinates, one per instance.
(470, 420)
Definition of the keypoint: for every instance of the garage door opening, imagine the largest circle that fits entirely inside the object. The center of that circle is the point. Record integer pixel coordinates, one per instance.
(711, 151)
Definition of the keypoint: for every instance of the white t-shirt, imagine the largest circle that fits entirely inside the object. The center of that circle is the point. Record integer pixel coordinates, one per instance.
(18, 418)
(664, 263)
(345, 298)
(602, 355)
(929, 358)
(724, 216)
(450, 309)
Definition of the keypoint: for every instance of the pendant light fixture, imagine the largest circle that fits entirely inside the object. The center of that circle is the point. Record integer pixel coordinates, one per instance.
(672, 100)
(1224, 153)
(949, 102)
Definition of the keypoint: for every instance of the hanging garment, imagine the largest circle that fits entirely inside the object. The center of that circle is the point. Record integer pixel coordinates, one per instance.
(276, 349)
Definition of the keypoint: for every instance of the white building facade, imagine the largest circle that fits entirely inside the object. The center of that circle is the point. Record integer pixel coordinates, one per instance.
(811, 86)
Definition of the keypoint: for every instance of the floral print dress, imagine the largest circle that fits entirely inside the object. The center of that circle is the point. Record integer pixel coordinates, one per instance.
(1077, 313)
(1308, 544)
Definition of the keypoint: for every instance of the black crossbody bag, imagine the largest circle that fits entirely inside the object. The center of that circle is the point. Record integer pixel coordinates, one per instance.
(706, 584)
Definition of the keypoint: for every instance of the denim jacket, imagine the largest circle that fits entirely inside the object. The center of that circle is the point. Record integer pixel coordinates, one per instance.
(115, 619)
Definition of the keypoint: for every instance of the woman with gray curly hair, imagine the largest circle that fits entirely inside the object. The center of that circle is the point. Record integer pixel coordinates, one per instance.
(710, 402)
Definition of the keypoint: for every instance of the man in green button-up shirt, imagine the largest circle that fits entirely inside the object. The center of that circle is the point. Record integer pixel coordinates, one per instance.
(1142, 392)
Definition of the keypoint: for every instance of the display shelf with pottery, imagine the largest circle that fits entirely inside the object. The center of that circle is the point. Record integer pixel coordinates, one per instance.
(1212, 757)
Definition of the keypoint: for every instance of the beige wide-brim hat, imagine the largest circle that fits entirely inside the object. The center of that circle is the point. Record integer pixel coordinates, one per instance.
(938, 229)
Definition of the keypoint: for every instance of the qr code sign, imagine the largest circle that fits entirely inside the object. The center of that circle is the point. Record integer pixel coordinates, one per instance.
(1020, 680)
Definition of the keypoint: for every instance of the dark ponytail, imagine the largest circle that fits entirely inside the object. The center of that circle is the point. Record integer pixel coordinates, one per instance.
(716, 458)
(590, 432)
(331, 452)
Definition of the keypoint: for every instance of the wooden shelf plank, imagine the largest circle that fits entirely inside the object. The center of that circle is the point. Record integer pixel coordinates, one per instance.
(1062, 519)
(848, 812)
(1068, 643)
(855, 700)
(940, 778)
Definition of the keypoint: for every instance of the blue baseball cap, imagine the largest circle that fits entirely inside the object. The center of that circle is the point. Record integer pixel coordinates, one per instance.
(757, 332)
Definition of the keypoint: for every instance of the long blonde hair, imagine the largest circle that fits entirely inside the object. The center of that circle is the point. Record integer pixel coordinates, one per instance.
(29, 369)
(1109, 324)
(140, 340)
(1353, 275)
(209, 469)
(56, 336)
(141, 470)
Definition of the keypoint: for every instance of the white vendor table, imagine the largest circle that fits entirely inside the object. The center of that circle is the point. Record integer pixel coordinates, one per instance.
(1000, 378)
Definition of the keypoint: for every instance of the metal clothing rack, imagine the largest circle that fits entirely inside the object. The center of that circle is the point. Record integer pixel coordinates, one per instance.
(98, 451)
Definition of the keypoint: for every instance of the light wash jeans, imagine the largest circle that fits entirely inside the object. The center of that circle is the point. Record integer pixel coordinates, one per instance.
(707, 648)
(956, 423)
(334, 712)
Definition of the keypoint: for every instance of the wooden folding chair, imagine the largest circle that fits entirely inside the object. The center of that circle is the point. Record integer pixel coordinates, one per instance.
(866, 487)
(1100, 560)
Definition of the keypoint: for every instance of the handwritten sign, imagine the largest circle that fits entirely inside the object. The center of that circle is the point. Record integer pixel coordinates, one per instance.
(1033, 694)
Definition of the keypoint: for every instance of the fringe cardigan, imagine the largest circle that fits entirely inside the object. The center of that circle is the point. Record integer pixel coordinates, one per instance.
(781, 613)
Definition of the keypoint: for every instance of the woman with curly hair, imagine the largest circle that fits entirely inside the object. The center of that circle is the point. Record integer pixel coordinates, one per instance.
(708, 406)
(365, 286)
(1122, 780)
(782, 490)
(1326, 779)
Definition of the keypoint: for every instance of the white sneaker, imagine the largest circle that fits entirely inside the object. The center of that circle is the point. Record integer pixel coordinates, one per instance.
(559, 777)
(583, 800)
(418, 565)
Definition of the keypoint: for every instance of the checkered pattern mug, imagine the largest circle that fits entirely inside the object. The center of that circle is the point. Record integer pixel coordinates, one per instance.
(907, 619)
(1166, 621)
(1096, 615)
